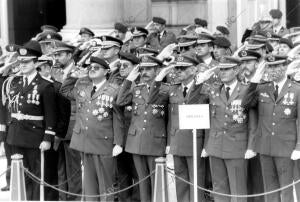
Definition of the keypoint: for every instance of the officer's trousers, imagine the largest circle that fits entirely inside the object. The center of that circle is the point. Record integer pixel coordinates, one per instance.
(98, 176)
(144, 165)
(229, 176)
(277, 172)
(254, 179)
(183, 167)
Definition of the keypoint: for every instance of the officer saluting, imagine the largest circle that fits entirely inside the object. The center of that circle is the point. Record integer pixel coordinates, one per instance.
(31, 101)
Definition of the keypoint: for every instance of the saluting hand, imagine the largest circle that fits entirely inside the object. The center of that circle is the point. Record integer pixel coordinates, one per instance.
(164, 73)
(295, 155)
(133, 75)
(204, 76)
(117, 150)
(250, 154)
(167, 149)
(259, 72)
(204, 154)
(45, 145)
(167, 51)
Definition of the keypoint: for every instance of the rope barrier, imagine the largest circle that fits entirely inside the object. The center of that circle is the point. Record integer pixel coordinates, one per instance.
(233, 195)
(8, 168)
(37, 180)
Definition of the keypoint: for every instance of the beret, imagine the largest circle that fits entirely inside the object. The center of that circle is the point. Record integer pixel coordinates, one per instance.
(120, 27)
(275, 13)
(222, 42)
(201, 22)
(223, 30)
(159, 20)
(99, 61)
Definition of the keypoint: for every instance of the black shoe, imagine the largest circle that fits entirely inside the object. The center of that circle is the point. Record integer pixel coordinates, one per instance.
(6, 188)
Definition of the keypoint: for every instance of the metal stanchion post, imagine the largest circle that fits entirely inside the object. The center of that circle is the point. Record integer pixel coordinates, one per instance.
(160, 194)
(195, 164)
(42, 176)
(17, 179)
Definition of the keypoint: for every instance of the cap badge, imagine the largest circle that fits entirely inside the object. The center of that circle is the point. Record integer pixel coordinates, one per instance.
(23, 51)
(104, 38)
(145, 59)
(269, 35)
(243, 53)
(11, 48)
(180, 59)
(48, 36)
(271, 58)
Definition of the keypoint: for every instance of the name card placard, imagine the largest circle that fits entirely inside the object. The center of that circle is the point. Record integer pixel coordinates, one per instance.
(195, 116)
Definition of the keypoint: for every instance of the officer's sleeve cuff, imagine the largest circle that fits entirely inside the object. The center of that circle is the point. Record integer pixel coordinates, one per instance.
(49, 132)
(2, 128)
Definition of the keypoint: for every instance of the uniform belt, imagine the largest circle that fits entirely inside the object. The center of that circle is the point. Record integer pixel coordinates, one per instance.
(20, 116)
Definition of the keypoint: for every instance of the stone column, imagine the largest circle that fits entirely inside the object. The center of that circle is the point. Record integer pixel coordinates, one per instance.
(100, 15)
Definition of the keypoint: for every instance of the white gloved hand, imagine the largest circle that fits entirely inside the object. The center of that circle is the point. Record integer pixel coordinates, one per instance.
(249, 154)
(295, 155)
(167, 149)
(117, 150)
(204, 76)
(167, 51)
(45, 145)
(259, 72)
(161, 75)
(133, 74)
(204, 154)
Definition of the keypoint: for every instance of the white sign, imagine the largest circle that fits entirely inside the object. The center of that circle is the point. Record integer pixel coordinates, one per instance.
(194, 116)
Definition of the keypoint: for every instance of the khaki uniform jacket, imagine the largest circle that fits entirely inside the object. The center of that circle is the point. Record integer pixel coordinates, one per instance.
(180, 141)
(228, 134)
(277, 133)
(147, 131)
(97, 117)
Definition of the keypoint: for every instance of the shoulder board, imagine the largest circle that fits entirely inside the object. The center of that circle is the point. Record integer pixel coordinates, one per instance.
(46, 79)
(264, 82)
(84, 80)
(175, 84)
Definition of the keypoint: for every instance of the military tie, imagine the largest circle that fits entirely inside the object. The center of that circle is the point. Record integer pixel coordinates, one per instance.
(185, 91)
(227, 92)
(25, 82)
(93, 91)
(276, 92)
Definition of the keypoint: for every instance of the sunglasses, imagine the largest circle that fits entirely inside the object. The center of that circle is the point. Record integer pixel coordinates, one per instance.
(124, 64)
(94, 67)
(182, 68)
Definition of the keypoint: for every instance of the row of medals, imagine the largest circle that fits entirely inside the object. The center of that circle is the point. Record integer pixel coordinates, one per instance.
(34, 97)
(103, 102)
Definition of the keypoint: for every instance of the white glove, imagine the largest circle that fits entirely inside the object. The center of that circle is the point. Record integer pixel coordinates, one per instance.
(164, 73)
(293, 67)
(45, 145)
(167, 149)
(259, 72)
(249, 154)
(204, 76)
(295, 155)
(133, 74)
(204, 154)
(117, 150)
(167, 51)
(2, 150)
(294, 52)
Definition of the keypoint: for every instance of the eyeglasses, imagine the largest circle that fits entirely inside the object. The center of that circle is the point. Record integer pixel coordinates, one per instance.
(181, 68)
(94, 67)
(124, 64)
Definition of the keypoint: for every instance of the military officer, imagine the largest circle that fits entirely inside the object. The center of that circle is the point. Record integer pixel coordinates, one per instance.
(227, 141)
(31, 103)
(138, 39)
(221, 47)
(69, 166)
(180, 143)
(146, 139)
(96, 132)
(277, 26)
(160, 38)
(86, 34)
(277, 138)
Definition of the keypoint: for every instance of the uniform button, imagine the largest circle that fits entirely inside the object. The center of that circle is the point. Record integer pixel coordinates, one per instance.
(273, 124)
(86, 128)
(225, 124)
(145, 113)
(22, 97)
(106, 137)
(87, 119)
(224, 132)
(88, 110)
(145, 121)
(226, 116)
(274, 114)
(227, 108)
(20, 104)
(144, 128)
(273, 133)
(90, 102)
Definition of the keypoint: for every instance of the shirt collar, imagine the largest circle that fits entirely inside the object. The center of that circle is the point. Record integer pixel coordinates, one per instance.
(31, 77)
(280, 84)
(189, 85)
(162, 33)
(207, 60)
(231, 86)
(99, 85)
